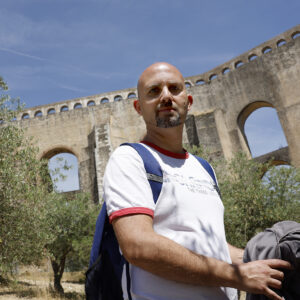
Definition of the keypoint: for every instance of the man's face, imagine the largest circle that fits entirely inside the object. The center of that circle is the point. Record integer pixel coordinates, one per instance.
(163, 101)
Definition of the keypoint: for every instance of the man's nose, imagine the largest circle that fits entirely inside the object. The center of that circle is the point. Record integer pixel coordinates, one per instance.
(166, 96)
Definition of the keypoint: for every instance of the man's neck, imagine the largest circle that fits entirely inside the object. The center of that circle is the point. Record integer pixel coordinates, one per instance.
(167, 138)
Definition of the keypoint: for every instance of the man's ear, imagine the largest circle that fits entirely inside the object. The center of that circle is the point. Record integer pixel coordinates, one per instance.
(137, 107)
(190, 100)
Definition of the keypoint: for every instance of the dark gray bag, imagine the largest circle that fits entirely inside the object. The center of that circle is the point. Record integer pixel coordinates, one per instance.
(282, 241)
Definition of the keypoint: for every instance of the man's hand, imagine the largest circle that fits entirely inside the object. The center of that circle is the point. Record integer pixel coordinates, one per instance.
(258, 277)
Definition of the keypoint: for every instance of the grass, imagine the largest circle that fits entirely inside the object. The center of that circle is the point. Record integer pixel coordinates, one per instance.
(34, 283)
(34, 292)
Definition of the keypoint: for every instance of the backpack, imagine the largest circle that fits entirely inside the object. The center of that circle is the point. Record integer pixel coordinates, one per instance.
(281, 241)
(103, 277)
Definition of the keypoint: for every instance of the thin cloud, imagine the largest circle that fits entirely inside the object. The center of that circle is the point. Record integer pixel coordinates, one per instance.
(68, 67)
(72, 88)
(22, 54)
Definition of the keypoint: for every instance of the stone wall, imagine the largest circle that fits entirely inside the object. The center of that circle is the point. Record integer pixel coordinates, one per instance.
(91, 127)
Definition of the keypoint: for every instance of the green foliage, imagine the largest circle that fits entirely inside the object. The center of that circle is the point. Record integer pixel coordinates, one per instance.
(283, 201)
(23, 199)
(252, 204)
(72, 224)
(8, 107)
(200, 151)
(244, 198)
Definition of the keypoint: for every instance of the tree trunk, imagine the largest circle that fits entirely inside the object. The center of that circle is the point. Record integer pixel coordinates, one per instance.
(3, 280)
(57, 285)
(58, 270)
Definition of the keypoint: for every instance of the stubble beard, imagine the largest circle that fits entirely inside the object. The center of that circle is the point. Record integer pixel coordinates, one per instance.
(168, 121)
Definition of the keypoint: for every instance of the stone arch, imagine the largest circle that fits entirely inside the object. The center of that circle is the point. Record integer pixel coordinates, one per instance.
(249, 109)
(246, 112)
(38, 113)
(91, 103)
(276, 158)
(50, 152)
(225, 70)
(266, 49)
(131, 96)
(280, 42)
(273, 133)
(104, 100)
(72, 182)
(252, 57)
(77, 105)
(200, 82)
(118, 98)
(279, 162)
(274, 163)
(238, 64)
(295, 34)
(25, 116)
(64, 108)
(51, 111)
(187, 84)
(213, 76)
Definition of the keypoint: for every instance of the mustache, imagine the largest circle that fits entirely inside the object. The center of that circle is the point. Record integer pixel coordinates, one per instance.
(167, 104)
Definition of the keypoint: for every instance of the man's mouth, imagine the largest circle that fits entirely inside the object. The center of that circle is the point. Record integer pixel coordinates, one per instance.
(166, 109)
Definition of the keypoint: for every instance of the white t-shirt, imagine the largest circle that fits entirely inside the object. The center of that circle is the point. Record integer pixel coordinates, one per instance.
(188, 211)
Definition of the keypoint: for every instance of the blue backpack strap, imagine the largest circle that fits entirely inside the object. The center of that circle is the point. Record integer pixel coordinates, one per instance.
(152, 167)
(206, 165)
(103, 277)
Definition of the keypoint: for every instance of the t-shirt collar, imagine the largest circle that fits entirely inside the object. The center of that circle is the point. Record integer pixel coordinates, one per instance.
(184, 155)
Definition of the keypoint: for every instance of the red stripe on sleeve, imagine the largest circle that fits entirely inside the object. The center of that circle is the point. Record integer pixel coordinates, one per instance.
(131, 211)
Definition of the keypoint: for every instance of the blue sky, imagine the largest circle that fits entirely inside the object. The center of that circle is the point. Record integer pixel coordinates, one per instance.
(51, 50)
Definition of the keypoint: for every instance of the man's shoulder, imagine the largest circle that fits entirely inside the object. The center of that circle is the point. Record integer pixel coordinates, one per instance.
(124, 156)
(124, 150)
(123, 161)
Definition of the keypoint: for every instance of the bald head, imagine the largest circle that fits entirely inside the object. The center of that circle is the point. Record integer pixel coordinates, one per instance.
(154, 69)
(163, 101)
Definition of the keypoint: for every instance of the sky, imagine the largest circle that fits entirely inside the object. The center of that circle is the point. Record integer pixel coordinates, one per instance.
(53, 50)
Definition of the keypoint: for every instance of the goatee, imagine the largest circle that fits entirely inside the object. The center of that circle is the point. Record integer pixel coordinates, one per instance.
(168, 121)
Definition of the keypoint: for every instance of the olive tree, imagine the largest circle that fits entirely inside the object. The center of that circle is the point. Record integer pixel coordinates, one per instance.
(35, 221)
(23, 192)
(72, 220)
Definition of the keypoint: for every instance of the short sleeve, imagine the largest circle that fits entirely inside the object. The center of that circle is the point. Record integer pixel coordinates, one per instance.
(125, 184)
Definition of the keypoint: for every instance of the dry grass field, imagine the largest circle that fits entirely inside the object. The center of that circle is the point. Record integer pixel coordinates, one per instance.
(37, 284)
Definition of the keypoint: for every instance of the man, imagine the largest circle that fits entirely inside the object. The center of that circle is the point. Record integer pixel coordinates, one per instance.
(177, 248)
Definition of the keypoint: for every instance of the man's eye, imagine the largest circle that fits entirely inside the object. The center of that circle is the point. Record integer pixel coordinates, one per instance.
(154, 90)
(174, 88)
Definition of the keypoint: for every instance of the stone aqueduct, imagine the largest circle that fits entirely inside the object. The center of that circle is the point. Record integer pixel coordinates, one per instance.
(91, 127)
